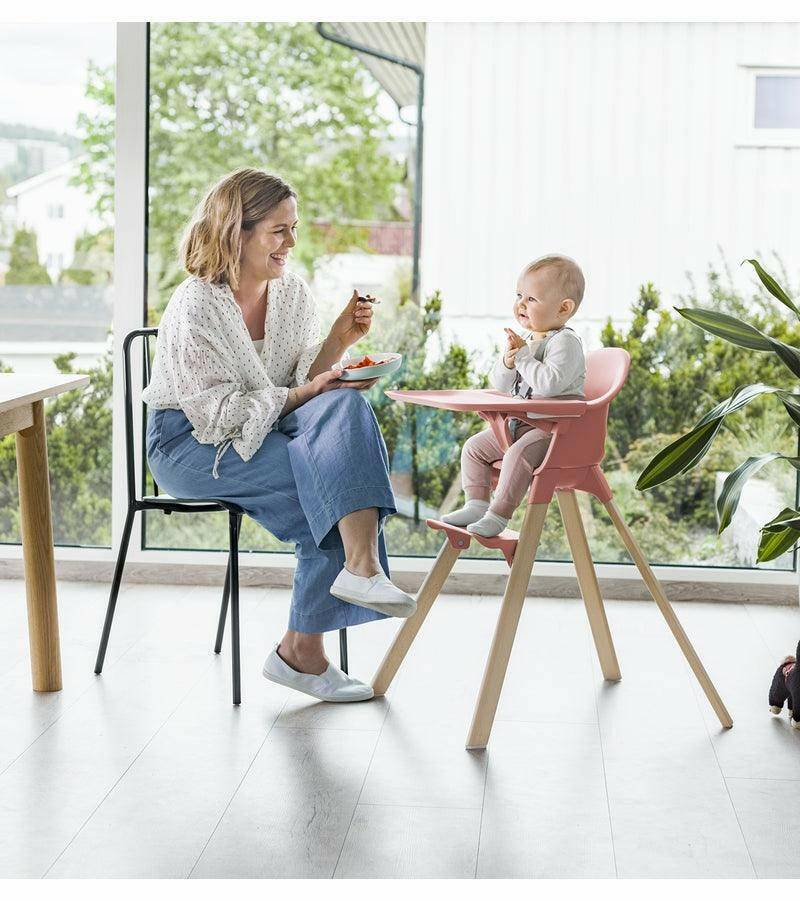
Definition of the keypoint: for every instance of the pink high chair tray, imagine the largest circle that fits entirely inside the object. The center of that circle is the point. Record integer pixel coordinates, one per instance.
(489, 400)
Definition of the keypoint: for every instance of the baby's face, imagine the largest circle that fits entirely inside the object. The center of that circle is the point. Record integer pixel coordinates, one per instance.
(538, 306)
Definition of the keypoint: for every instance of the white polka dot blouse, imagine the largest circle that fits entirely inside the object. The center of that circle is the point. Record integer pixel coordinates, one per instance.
(207, 365)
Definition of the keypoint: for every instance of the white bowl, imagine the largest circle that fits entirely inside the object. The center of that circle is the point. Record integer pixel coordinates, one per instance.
(394, 361)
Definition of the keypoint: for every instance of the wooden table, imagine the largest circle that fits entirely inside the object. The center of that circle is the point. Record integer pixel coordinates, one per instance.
(22, 411)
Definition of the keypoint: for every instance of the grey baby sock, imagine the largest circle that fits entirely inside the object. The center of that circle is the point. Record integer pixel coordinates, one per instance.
(472, 511)
(490, 525)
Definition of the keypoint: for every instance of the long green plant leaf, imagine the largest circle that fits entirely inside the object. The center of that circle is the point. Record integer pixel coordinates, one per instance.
(679, 456)
(741, 334)
(683, 453)
(772, 286)
(787, 518)
(789, 355)
(728, 327)
(792, 404)
(731, 493)
(773, 543)
(740, 398)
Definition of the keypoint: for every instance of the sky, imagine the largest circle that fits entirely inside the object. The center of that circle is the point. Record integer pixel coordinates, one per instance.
(43, 70)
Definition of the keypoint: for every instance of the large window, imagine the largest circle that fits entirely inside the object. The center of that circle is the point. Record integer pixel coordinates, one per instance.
(279, 97)
(56, 257)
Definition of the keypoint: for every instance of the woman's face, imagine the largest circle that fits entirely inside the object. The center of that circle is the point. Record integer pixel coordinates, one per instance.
(266, 246)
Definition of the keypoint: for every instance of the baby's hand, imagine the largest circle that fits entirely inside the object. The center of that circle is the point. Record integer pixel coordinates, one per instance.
(513, 344)
(513, 340)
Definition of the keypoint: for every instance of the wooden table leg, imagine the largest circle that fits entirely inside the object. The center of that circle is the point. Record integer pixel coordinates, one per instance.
(668, 613)
(427, 594)
(506, 628)
(587, 580)
(37, 548)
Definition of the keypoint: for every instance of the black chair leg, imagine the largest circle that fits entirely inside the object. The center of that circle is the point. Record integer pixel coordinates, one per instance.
(112, 600)
(223, 610)
(234, 521)
(343, 650)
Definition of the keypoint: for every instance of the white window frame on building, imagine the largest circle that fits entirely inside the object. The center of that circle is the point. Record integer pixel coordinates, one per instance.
(751, 135)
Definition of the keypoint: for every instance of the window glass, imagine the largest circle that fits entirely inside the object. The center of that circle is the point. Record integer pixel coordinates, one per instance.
(777, 101)
(278, 96)
(56, 258)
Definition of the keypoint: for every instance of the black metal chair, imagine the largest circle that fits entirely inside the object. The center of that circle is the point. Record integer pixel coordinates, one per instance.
(168, 505)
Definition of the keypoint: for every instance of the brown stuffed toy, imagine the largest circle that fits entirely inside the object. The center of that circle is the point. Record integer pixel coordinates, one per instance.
(785, 688)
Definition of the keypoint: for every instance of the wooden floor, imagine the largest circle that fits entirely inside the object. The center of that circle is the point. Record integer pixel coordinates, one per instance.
(149, 771)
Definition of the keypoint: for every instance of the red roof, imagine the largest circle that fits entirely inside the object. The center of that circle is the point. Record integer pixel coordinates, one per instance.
(384, 238)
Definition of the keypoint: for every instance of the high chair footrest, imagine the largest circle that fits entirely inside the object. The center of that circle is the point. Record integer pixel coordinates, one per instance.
(460, 538)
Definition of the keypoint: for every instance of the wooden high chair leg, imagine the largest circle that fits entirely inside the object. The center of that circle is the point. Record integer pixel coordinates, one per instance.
(587, 580)
(428, 592)
(665, 607)
(506, 628)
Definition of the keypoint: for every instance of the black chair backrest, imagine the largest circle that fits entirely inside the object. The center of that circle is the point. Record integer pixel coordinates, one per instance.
(146, 334)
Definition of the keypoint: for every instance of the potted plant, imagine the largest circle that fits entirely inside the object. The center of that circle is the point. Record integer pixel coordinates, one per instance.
(781, 533)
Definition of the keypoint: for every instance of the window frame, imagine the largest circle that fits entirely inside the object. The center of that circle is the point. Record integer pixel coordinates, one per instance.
(749, 135)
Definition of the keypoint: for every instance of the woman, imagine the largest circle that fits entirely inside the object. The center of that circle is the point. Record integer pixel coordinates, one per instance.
(246, 405)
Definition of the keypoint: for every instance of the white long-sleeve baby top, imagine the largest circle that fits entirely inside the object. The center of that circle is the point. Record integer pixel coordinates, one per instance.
(207, 365)
(552, 366)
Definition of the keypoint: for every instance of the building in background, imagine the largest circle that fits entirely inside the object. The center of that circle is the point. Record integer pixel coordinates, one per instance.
(58, 213)
(29, 156)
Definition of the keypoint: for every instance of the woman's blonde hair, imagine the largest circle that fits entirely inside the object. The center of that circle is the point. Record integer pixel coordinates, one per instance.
(211, 246)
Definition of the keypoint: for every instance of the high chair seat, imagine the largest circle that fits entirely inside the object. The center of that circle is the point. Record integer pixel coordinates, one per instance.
(572, 463)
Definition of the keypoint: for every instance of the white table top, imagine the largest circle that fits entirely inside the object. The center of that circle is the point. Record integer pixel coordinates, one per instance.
(25, 388)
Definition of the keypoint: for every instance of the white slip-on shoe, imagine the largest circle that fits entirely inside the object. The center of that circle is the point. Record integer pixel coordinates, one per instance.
(374, 592)
(332, 685)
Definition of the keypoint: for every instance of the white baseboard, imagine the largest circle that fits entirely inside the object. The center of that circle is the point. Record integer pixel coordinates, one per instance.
(409, 578)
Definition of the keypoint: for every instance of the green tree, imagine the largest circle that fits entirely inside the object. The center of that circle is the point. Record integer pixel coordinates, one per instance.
(271, 95)
(24, 267)
(93, 263)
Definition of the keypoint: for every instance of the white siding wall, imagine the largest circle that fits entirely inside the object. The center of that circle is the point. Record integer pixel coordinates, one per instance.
(613, 143)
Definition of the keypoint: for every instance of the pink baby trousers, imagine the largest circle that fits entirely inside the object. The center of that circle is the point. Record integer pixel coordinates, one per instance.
(516, 474)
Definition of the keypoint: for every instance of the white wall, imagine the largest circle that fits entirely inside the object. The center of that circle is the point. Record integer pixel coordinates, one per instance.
(614, 143)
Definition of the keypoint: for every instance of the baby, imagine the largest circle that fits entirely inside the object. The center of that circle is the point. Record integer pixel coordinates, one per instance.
(549, 363)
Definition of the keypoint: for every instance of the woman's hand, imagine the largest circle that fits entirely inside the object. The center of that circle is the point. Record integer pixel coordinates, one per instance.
(327, 381)
(353, 322)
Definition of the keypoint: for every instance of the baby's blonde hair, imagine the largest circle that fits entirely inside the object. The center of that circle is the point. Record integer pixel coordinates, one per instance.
(568, 277)
(211, 246)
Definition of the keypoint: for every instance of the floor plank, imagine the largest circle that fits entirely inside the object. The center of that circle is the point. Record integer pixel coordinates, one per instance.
(545, 811)
(290, 815)
(671, 814)
(166, 805)
(767, 810)
(739, 660)
(410, 842)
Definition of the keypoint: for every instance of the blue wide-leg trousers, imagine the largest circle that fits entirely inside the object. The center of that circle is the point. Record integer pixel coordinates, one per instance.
(320, 462)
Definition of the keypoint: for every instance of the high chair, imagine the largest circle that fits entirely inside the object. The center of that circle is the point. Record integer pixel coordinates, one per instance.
(572, 463)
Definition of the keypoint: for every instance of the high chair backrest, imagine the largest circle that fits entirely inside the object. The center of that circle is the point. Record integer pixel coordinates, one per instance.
(606, 371)
(583, 443)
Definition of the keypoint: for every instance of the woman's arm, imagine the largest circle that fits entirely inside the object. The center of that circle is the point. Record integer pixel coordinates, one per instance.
(317, 355)
(331, 352)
